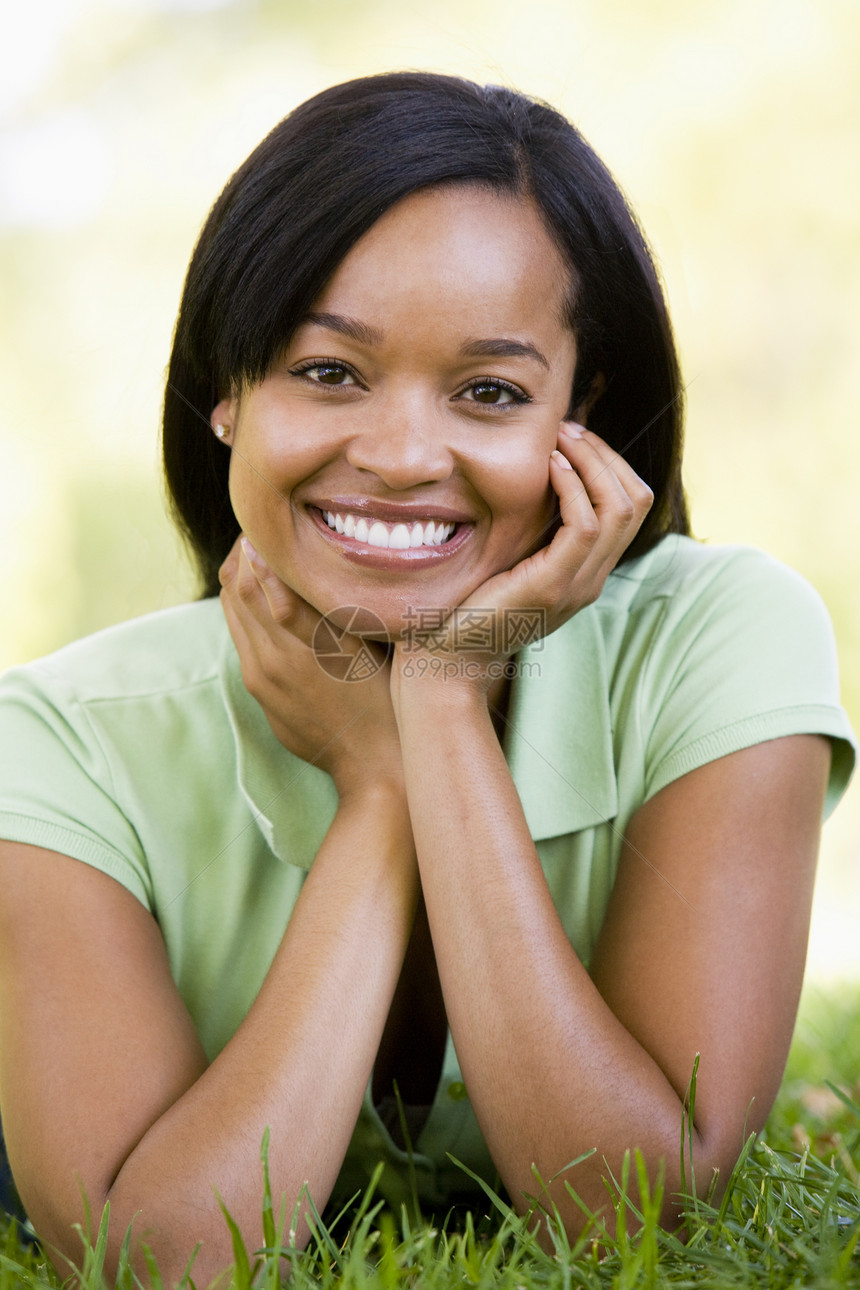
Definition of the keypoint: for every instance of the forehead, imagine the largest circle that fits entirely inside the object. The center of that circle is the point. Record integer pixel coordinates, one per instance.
(464, 254)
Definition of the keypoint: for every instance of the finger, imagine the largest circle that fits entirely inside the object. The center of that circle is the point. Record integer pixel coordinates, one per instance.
(617, 511)
(261, 586)
(576, 508)
(620, 498)
(599, 518)
(615, 465)
(635, 488)
(596, 468)
(236, 627)
(278, 595)
(641, 495)
(546, 575)
(248, 618)
(230, 567)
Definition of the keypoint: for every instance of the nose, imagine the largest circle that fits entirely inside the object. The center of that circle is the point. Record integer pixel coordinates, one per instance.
(401, 441)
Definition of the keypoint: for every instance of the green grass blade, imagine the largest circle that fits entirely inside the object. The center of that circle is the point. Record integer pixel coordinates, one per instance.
(243, 1276)
(269, 1234)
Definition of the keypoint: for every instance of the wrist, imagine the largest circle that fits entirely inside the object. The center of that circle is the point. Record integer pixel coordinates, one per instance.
(436, 713)
(373, 825)
(364, 787)
(451, 678)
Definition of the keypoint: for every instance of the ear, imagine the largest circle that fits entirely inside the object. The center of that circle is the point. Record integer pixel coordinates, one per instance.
(223, 418)
(583, 409)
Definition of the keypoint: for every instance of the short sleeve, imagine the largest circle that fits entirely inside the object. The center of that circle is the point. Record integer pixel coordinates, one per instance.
(56, 788)
(747, 654)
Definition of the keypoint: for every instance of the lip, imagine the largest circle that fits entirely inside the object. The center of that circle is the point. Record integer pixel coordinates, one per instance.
(376, 557)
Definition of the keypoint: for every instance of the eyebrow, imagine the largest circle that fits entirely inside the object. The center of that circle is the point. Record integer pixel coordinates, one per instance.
(351, 327)
(493, 347)
(502, 348)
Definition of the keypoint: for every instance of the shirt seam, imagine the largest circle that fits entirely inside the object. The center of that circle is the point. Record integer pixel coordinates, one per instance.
(179, 688)
(754, 724)
(96, 848)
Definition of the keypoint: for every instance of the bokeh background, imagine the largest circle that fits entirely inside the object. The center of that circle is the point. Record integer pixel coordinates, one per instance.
(734, 126)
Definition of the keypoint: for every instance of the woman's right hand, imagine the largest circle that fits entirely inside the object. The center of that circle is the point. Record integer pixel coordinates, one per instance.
(345, 727)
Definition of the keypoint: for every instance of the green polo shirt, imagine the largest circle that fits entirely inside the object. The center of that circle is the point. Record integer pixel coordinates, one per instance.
(140, 752)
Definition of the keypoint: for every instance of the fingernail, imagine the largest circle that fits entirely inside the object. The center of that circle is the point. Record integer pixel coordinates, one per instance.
(571, 429)
(250, 553)
(560, 459)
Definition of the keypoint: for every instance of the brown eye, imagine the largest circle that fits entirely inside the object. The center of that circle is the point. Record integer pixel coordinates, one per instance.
(489, 394)
(330, 374)
(326, 371)
(492, 392)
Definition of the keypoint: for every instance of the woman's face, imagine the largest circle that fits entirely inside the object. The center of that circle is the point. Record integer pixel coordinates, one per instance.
(425, 386)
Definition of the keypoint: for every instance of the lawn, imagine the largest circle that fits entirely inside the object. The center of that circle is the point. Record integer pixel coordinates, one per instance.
(790, 1216)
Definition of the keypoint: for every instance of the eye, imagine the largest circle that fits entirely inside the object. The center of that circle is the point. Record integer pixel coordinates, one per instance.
(326, 371)
(493, 392)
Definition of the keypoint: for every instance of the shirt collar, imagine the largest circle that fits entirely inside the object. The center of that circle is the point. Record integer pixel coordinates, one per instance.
(559, 739)
(292, 802)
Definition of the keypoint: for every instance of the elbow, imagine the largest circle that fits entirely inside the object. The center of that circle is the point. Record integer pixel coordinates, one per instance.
(130, 1240)
(695, 1170)
(601, 1195)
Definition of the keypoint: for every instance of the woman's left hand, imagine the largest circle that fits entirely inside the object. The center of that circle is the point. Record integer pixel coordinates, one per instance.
(602, 504)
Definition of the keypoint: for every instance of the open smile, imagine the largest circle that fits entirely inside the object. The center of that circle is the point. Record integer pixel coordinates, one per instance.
(385, 543)
(400, 537)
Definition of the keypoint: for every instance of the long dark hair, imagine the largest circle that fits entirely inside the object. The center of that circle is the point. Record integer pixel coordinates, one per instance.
(322, 177)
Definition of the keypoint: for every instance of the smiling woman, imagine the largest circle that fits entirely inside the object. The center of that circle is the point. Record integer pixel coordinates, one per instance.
(556, 835)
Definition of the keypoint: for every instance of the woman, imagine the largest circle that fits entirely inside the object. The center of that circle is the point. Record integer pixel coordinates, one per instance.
(423, 408)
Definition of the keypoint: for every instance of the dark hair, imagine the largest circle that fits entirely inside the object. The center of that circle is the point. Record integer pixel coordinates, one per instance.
(322, 177)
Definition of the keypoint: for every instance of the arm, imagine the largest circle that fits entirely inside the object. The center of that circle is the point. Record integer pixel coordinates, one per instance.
(603, 1061)
(102, 1076)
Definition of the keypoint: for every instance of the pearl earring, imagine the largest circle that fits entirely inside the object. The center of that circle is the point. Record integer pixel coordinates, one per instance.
(221, 431)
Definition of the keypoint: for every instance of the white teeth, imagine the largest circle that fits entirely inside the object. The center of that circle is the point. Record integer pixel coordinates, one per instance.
(399, 537)
(378, 535)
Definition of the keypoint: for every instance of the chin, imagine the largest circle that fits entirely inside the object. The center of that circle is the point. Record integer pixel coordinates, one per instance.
(361, 620)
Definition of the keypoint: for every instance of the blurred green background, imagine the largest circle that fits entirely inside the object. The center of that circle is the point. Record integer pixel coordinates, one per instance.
(734, 126)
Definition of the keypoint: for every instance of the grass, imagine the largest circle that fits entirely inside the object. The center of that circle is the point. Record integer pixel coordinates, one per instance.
(789, 1217)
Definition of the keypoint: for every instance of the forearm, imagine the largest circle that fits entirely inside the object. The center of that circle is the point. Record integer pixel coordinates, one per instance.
(573, 1078)
(300, 1061)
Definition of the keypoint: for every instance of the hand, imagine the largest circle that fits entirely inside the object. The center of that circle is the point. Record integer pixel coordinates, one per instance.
(602, 504)
(346, 727)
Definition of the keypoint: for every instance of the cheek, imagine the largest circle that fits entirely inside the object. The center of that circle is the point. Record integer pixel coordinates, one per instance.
(522, 491)
(254, 503)
(265, 515)
(524, 507)
(266, 466)
(542, 522)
